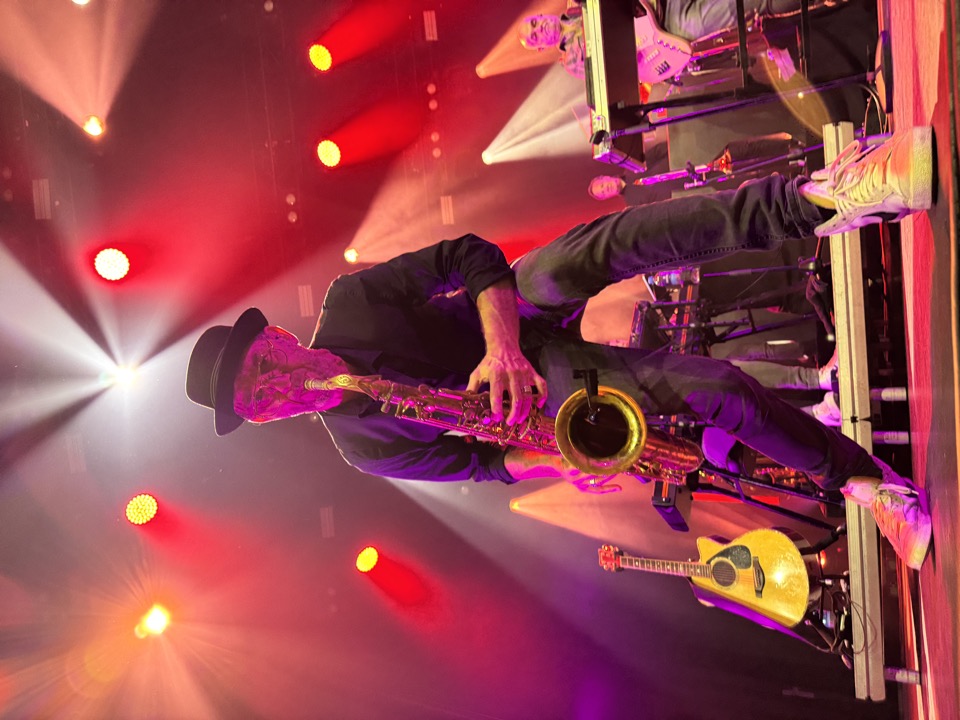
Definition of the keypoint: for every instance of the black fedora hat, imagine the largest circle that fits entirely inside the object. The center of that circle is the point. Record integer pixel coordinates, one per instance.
(214, 364)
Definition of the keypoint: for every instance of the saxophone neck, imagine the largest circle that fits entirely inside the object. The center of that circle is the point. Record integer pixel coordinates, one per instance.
(366, 384)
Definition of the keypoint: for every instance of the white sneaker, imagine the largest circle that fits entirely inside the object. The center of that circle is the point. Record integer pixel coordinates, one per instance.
(871, 183)
(827, 411)
(898, 510)
(826, 373)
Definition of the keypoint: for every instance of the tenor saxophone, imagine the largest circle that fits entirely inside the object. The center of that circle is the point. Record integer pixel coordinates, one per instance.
(601, 435)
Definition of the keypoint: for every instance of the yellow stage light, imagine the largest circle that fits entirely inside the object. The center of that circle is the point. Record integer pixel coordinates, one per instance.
(367, 559)
(329, 153)
(153, 623)
(320, 57)
(141, 509)
(351, 255)
(93, 126)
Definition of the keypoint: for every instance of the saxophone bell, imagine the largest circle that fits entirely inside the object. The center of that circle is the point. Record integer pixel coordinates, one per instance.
(601, 435)
(619, 441)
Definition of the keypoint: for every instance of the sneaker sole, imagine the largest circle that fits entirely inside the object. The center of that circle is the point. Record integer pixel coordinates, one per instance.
(919, 553)
(921, 168)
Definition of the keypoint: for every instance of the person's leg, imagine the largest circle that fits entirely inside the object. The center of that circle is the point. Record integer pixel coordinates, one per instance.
(719, 395)
(865, 184)
(557, 279)
(779, 376)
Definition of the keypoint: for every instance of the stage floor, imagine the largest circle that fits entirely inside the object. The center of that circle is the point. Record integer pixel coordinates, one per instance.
(924, 37)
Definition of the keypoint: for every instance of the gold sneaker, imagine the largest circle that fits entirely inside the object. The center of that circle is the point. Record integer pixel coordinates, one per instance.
(899, 514)
(869, 183)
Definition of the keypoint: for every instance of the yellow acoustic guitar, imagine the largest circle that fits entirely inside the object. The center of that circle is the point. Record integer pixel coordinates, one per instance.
(762, 570)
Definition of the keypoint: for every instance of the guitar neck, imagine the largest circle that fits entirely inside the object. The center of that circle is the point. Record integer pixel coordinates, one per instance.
(666, 567)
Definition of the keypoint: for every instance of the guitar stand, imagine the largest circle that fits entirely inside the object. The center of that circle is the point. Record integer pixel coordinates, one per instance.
(828, 613)
(833, 625)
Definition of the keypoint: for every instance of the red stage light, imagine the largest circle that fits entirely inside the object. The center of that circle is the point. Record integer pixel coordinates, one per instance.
(142, 509)
(111, 264)
(329, 153)
(320, 57)
(367, 559)
(386, 128)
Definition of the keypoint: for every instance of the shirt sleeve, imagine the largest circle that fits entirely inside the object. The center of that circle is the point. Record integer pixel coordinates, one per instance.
(413, 278)
(383, 445)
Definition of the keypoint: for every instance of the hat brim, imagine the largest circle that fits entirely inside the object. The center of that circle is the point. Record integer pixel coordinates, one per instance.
(215, 363)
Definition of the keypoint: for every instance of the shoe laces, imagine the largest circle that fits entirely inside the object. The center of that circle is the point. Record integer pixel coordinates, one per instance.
(899, 507)
(856, 176)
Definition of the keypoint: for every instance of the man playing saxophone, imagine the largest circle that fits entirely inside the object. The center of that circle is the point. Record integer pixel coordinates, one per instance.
(515, 331)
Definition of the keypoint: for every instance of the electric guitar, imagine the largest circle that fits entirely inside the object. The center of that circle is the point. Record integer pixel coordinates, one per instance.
(660, 55)
(762, 570)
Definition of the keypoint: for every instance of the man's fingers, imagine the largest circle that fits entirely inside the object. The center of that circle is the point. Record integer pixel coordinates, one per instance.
(541, 398)
(516, 398)
(474, 384)
(496, 398)
(521, 400)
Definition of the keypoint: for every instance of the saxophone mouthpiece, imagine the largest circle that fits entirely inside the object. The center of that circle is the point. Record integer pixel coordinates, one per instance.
(337, 382)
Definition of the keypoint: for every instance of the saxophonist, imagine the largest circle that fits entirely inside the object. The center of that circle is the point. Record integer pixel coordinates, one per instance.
(456, 315)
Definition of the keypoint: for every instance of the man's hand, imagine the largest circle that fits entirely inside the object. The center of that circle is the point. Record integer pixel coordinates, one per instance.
(511, 373)
(504, 368)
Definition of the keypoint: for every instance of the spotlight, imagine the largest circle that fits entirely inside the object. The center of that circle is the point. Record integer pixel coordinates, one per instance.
(329, 153)
(124, 375)
(351, 255)
(141, 509)
(153, 623)
(367, 559)
(81, 2)
(320, 57)
(111, 264)
(93, 126)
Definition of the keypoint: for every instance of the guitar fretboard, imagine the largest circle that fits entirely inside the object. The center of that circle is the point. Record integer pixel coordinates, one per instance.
(666, 567)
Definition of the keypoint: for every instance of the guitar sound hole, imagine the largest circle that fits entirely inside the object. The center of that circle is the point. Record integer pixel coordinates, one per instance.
(724, 574)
